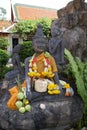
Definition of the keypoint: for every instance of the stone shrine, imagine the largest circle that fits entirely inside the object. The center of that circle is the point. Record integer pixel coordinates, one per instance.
(57, 111)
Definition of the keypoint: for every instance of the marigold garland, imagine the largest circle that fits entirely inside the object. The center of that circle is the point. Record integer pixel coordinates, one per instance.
(33, 68)
(53, 89)
(67, 85)
(47, 73)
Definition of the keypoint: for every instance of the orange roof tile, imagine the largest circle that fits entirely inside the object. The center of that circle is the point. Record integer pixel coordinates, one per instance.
(4, 24)
(26, 12)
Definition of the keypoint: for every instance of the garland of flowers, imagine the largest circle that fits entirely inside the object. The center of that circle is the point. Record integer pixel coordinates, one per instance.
(52, 87)
(33, 68)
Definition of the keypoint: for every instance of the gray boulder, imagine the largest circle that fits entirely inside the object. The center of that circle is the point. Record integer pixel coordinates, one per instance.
(59, 113)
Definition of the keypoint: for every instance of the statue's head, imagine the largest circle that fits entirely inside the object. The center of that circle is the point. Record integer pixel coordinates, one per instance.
(39, 40)
(17, 48)
(55, 31)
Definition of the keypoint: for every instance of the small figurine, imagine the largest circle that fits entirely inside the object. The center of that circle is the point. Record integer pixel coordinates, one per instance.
(16, 59)
(56, 44)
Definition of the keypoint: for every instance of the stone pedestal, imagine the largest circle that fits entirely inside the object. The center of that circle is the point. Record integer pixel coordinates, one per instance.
(60, 113)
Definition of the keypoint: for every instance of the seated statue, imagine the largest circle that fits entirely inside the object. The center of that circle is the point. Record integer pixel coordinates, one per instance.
(41, 65)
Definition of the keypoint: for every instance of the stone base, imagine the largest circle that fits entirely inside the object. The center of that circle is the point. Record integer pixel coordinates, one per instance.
(59, 114)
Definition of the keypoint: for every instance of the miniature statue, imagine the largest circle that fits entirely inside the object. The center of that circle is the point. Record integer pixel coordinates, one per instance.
(56, 45)
(16, 58)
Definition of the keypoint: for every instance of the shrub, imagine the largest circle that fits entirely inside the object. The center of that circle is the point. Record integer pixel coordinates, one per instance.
(79, 71)
(46, 24)
(28, 27)
(4, 56)
(3, 43)
(26, 50)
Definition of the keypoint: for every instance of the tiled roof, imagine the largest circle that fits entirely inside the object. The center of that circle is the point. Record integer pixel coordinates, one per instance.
(4, 24)
(26, 12)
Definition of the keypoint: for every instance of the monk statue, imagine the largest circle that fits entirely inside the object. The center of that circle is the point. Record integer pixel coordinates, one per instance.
(41, 65)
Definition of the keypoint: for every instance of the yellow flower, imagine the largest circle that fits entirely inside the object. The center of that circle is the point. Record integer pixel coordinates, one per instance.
(67, 86)
(56, 91)
(44, 74)
(49, 68)
(26, 102)
(31, 74)
(50, 92)
(52, 86)
(34, 68)
(37, 74)
(50, 75)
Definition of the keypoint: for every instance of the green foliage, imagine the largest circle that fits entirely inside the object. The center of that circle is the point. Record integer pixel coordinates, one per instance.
(46, 24)
(4, 70)
(29, 27)
(3, 43)
(79, 70)
(19, 84)
(26, 50)
(85, 75)
(4, 56)
(25, 27)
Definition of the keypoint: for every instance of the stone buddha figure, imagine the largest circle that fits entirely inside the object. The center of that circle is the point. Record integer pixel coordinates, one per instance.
(38, 63)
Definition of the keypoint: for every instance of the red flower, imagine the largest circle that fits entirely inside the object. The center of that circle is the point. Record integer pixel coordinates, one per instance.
(47, 60)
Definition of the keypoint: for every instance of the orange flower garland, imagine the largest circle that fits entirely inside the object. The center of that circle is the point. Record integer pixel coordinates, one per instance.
(33, 68)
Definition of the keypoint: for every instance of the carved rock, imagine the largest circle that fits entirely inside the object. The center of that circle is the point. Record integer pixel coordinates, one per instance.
(58, 112)
(72, 21)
